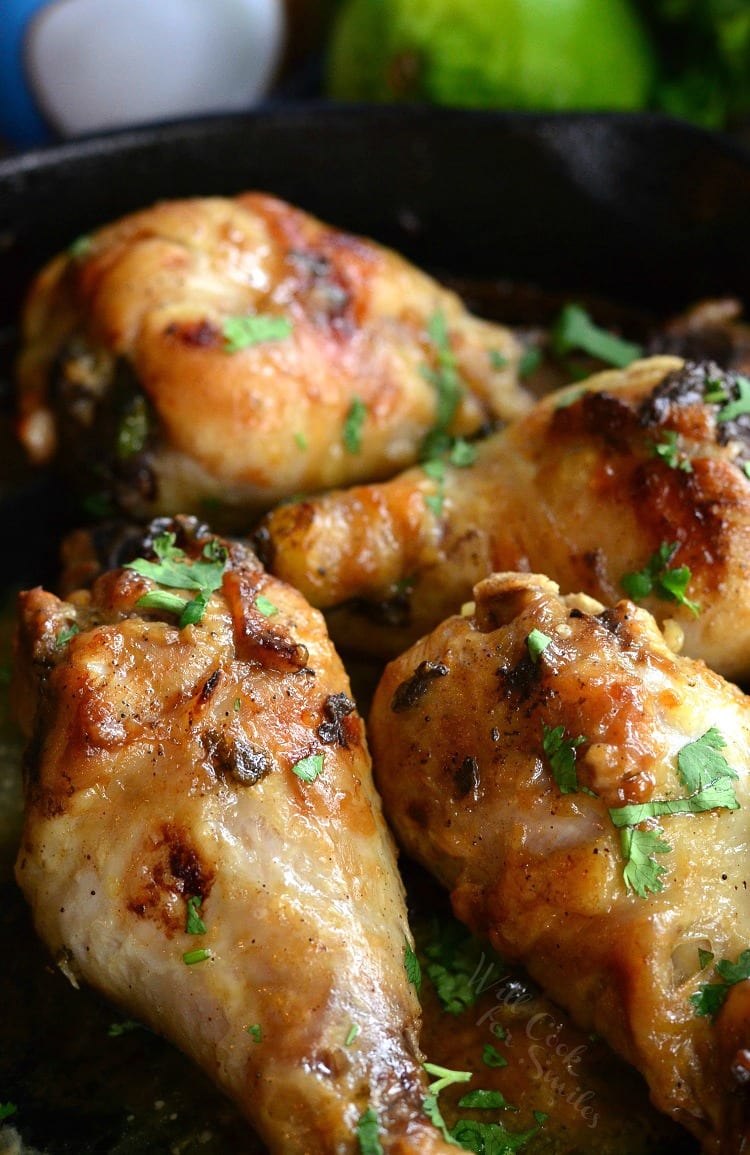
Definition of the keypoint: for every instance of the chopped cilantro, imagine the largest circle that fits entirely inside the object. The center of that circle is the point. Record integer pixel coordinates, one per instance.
(412, 967)
(7, 1109)
(80, 246)
(436, 471)
(434, 1114)
(367, 1133)
(699, 763)
(537, 643)
(574, 330)
(446, 383)
(65, 635)
(115, 1030)
(491, 1057)
(493, 1138)
(642, 873)
(746, 469)
(734, 409)
(301, 441)
(254, 329)
(264, 606)
(255, 1032)
(133, 430)
(530, 360)
(351, 1034)
(657, 578)
(176, 570)
(716, 795)
(714, 392)
(237, 705)
(462, 454)
(486, 1101)
(445, 1077)
(194, 923)
(458, 967)
(498, 360)
(308, 769)
(561, 755)
(196, 956)
(711, 997)
(667, 449)
(355, 419)
(705, 957)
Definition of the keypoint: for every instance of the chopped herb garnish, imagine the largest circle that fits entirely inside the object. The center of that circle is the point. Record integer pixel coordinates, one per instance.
(705, 957)
(486, 1101)
(351, 1034)
(498, 360)
(237, 705)
(715, 392)
(530, 360)
(115, 1030)
(133, 430)
(734, 409)
(718, 795)
(491, 1057)
(436, 471)
(367, 1133)
(711, 996)
(264, 606)
(462, 454)
(196, 956)
(308, 769)
(301, 441)
(253, 329)
(445, 1077)
(447, 384)
(537, 643)
(642, 873)
(561, 755)
(574, 330)
(194, 923)
(80, 246)
(667, 449)
(699, 763)
(412, 967)
(657, 578)
(255, 1032)
(176, 570)
(65, 635)
(746, 469)
(355, 419)
(493, 1138)
(7, 1109)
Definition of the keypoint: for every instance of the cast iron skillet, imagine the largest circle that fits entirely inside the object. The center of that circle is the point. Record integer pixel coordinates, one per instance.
(642, 210)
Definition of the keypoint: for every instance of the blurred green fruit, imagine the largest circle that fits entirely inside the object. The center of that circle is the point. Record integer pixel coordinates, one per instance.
(528, 54)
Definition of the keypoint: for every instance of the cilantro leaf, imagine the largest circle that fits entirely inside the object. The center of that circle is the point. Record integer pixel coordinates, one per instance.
(458, 966)
(65, 635)
(717, 795)
(667, 449)
(561, 755)
(412, 967)
(355, 419)
(308, 769)
(300, 441)
(498, 360)
(176, 571)
(491, 1057)
(462, 454)
(642, 873)
(115, 1030)
(255, 1032)
(367, 1133)
(436, 471)
(486, 1100)
(493, 1138)
(705, 957)
(734, 409)
(537, 643)
(574, 330)
(351, 1034)
(194, 923)
(446, 383)
(264, 606)
(191, 957)
(7, 1109)
(699, 763)
(253, 329)
(710, 997)
(657, 578)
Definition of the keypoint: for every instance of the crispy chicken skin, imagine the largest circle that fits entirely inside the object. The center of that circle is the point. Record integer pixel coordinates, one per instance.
(456, 733)
(159, 771)
(588, 487)
(126, 372)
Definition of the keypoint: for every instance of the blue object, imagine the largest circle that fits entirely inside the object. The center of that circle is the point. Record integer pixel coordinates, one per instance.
(21, 121)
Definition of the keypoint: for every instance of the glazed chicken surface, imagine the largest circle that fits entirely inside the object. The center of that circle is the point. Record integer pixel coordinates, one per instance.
(583, 794)
(203, 843)
(230, 352)
(634, 470)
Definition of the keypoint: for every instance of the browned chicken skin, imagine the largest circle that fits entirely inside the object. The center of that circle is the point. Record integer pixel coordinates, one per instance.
(129, 379)
(462, 732)
(589, 487)
(166, 768)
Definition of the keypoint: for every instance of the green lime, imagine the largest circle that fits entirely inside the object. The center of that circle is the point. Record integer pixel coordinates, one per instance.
(528, 54)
